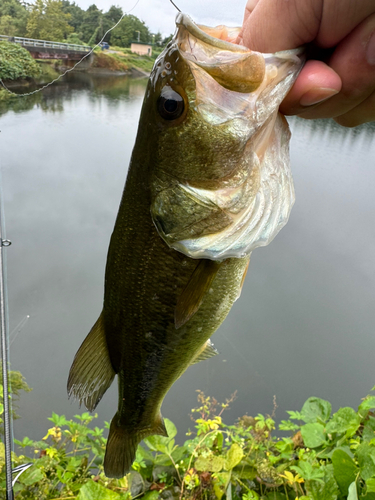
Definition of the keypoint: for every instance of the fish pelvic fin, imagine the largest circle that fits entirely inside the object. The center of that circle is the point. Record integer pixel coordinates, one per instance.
(192, 295)
(207, 352)
(91, 372)
(122, 445)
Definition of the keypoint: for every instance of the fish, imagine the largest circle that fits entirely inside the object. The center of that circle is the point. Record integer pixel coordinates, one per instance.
(209, 180)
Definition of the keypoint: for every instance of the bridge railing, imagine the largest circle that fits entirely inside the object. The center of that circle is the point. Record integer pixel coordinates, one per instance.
(30, 42)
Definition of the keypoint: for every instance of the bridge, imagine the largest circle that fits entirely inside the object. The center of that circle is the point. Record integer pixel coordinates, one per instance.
(44, 49)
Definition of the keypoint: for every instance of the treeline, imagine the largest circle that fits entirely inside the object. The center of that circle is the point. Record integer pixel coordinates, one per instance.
(65, 21)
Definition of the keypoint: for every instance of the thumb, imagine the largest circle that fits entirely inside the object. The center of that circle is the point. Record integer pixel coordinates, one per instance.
(273, 25)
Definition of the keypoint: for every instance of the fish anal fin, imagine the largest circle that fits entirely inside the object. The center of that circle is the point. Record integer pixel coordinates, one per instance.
(192, 295)
(207, 352)
(91, 372)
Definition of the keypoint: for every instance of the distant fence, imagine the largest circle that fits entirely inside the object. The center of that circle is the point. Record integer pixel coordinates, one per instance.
(30, 43)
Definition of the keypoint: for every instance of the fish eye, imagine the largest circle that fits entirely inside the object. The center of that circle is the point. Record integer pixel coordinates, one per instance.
(170, 104)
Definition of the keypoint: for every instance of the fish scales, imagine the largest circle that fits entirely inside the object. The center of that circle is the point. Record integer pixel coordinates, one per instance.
(209, 180)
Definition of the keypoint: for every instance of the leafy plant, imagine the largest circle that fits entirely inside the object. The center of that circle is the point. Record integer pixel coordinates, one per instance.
(16, 62)
(327, 457)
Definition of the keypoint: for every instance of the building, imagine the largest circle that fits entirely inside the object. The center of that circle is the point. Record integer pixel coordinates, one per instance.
(141, 48)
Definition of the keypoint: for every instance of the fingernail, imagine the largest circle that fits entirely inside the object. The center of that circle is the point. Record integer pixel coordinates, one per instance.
(314, 96)
(370, 50)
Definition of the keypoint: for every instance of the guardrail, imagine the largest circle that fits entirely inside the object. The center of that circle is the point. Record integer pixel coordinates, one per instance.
(30, 42)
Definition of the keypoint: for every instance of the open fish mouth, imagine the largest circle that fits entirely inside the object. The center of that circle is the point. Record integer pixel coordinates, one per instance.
(238, 91)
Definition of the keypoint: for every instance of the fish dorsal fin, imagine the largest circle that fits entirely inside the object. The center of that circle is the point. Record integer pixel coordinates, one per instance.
(191, 297)
(91, 373)
(208, 351)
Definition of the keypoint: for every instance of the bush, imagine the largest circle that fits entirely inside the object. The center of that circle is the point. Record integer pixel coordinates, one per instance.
(16, 62)
(327, 457)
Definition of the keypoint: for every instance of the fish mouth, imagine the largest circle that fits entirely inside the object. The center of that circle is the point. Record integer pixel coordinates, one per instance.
(235, 67)
(220, 37)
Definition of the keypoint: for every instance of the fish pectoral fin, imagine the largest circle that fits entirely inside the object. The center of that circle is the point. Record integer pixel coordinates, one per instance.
(192, 295)
(91, 372)
(208, 351)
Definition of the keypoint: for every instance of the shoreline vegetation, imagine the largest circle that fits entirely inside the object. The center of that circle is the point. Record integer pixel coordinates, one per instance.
(64, 21)
(316, 455)
(19, 71)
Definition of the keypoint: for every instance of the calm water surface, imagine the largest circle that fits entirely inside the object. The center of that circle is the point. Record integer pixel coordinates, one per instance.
(304, 325)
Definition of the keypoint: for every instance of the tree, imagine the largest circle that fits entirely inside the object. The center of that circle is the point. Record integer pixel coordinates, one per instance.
(47, 21)
(91, 29)
(7, 26)
(16, 25)
(157, 39)
(77, 14)
(127, 31)
(110, 18)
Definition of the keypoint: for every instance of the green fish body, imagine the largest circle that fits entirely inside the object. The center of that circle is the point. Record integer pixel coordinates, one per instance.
(182, 240)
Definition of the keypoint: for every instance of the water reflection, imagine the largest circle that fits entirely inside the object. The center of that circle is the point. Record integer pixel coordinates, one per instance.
(51, 99)
(304, 323)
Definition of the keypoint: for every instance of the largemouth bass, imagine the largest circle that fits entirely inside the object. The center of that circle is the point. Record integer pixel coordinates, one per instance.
(209, 180)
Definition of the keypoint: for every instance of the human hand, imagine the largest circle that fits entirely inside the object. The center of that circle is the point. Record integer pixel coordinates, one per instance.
(338, 79)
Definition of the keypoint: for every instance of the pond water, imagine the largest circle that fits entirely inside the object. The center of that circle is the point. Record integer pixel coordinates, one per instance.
(304, 325)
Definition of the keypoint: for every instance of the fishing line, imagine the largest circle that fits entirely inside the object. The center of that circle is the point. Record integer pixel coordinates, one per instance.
(14, 333)
(79, 62)
(174, 5)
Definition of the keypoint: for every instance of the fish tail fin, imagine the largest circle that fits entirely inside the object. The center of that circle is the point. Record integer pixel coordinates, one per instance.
(121, 449)
(91, 372)
(122, 446)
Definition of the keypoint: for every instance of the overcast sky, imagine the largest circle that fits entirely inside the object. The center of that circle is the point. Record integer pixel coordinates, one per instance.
(159, 15)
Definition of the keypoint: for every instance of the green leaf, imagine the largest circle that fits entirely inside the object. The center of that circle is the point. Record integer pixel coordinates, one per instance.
(151, 495)
(244, 472)
(366, 460)
(220, 482)
(157, 443)
(368, 432)
(178, 453)
(367, 404)
(352, 492)
(313, 435)
(211, 463)
(234, 456)
(316, 409)
(94, 491)
(308, 472)
(287, 425)
(345, 470)
(324, 491)
(143, 454)
(31, 476)
(58, 420)
(295, 415)
(370, 484)
(346, 420)
(171, 428)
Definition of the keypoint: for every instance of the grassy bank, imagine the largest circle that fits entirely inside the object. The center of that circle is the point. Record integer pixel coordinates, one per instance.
(122, 59)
